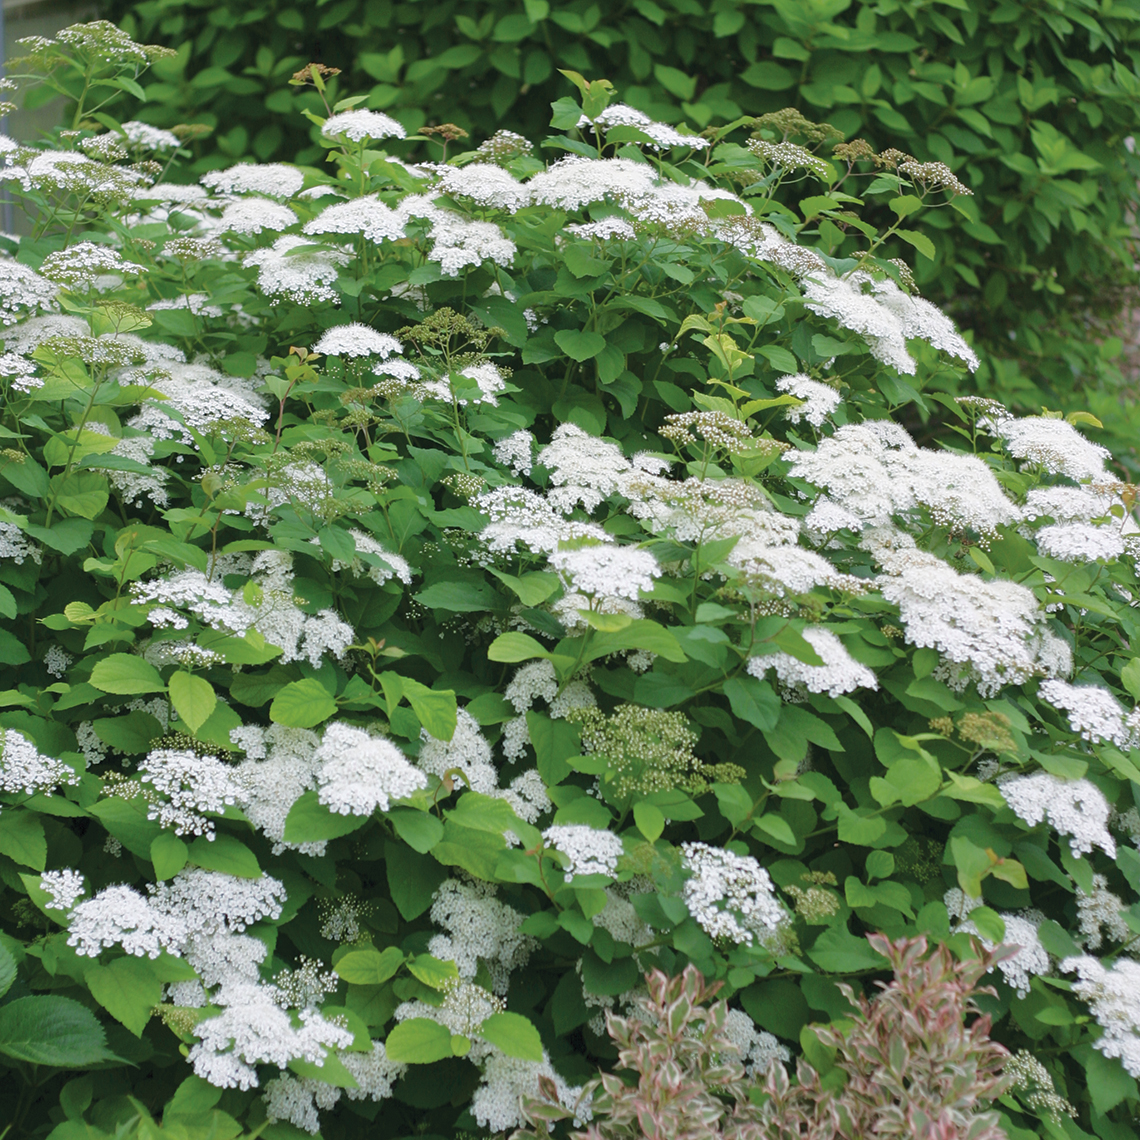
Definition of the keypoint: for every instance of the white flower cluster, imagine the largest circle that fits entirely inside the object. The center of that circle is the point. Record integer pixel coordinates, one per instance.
(607, 571)
(354, 340)
(360, 125)
(758, 1049)
(731, 896)
(531, 682)
(23, 290)
(875, 471)
(187, 785)
(1100, 913)
(588, 850)
(497, 1102)
(274, 614)
(990, 632)
(1053, 444)
(1075, 808)
(304, 277)
(885, 316)
(663, 137)
(367, 216)
(373, 561)
(839, 673)
(1113, 995)
(253, 1030)
(88, 266)
(819, 400)
(516, 451)
(359, 773)
(65, 887)
(1094, 713)
(272, 179)
(24, 769)
(478, 927)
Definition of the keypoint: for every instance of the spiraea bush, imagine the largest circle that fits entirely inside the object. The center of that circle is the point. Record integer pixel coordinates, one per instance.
(1030, 105)
(436, 594)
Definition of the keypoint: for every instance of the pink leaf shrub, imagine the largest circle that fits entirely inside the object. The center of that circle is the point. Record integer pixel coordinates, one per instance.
(914, 1061)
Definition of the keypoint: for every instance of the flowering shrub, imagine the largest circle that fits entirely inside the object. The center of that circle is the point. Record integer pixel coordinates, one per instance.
(435, 594)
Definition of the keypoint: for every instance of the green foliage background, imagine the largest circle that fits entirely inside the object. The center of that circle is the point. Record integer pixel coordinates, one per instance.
(1030, 103)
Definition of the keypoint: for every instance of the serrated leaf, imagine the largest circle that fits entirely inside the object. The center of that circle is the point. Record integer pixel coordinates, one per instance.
(127, 989)
(49, 1029)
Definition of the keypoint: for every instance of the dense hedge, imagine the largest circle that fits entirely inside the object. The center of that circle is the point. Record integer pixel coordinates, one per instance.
(1029, 103)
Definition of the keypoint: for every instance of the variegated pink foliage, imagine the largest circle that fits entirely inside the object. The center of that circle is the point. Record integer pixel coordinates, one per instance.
(913, 1061)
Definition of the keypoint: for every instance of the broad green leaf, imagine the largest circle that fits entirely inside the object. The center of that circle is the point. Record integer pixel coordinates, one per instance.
(310, 821)
(640, 634)
(302, 704)
(412, 879)
(513, 647)
(420, 830)
(754, 701)
(555, 742)
(418, 1041)
(7, 970)
(370, 967)
(514, 1034)
(650, 822)
(579, 344)
(168, 854)
(127, 989)
(126, 674)
(81, 493)
(433, 971)
(224, 853)
(920, 242)
(193, 698)
(22, 838)
(435, 708)
(49, 1029)
(839, 951)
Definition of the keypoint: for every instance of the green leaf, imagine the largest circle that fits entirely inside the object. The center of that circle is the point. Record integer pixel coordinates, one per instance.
(1109, 1084)
(433, 971)
(971, 862)
(579, 344)
(675, 82)
(514, 1034)
(412, 879)
(754, 701)
(514, 647)
(125, 673)
(302, 704)
(1130, 677)
(224, 853)
(839, 951)
(169, 855)
(555, 742)
(639, 634)
(370, 967)
(7, 969)
(459, 597)
(420, 830)
(193, 698)
(920, 242)
(22, 838)
(310, 821)
(650, 822)
(52, 1030)
(775, 827)
(81, 493)
(435, 708)
(418, 1041)
(127, 989)
(131, 734)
